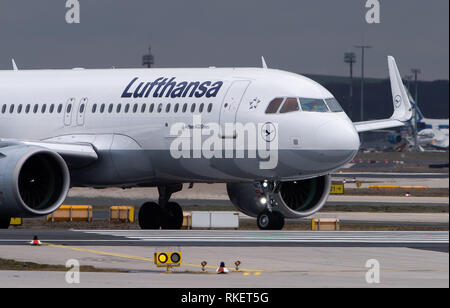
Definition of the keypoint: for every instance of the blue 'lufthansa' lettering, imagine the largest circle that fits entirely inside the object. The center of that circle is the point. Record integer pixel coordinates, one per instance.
(169, 87)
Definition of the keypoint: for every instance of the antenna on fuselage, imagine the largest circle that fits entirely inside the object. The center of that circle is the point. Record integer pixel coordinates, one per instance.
(15, 68)
(264, 64)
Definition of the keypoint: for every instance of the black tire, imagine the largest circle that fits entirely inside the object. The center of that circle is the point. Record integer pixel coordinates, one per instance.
(150, 216)
(173, 218)
(270, 221)
(278, 222)
(264, 220)
(4, 223)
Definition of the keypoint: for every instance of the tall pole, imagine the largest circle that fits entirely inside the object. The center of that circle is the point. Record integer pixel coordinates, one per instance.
(409, 78)
(350, 58)
(363, 49)
(416, 72)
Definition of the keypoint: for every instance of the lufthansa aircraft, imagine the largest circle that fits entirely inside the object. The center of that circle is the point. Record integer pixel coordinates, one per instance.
(274, 137)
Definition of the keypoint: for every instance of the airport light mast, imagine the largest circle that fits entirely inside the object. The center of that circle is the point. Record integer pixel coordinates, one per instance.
(416, 72)
(363, 49)
(350, 58)
(148, 60)
(409, 78)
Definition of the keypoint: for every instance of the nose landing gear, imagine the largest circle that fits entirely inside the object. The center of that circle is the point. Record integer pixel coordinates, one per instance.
(165, 215)
(270, 219)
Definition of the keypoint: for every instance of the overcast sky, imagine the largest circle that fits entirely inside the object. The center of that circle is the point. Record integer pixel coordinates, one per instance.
(303, 36)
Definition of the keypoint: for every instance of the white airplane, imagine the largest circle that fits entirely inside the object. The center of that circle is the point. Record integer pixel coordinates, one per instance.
(274, 137)
(432, 133)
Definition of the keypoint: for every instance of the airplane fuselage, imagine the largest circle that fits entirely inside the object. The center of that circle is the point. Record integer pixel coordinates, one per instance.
(140, 122)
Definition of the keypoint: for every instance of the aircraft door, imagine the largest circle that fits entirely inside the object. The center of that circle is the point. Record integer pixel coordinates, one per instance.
(81, 111)
(230, 105)
(68, 111)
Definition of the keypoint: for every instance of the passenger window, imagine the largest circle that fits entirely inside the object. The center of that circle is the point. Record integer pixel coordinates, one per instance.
(210, 107)
(111, 107)
(313, 105)
(19, 109)
(60, 107)
(94, 108)
(119, 107)
(127, 108)
(193, 108)
(11, 109)
(168, 108)
(4, 109)
(35, 109)
(202, 106)
(27, 108)
(152, 107)
(135, 108)
(334, 105)
(175, 109)
(102, 108)
(290, 105)
(52, 108)
(69, 108)
(159, 108)
(44, 107)
(274, 106)
(184, 108)
(143, 108)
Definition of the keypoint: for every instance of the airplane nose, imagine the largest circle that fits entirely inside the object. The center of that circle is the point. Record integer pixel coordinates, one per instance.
(338, 135)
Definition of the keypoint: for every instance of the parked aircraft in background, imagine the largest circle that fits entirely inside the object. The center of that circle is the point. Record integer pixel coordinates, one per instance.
(432, 134)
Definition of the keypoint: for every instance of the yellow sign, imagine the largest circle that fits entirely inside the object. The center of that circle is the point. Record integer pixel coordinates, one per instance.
(337, 189)
(16, 221)
(163, 259)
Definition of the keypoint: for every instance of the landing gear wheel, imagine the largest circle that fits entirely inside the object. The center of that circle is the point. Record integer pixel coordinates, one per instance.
(4, 223)
(264, 220)
(278, 222)
(173, 218)
(150, 216)
(270, 221)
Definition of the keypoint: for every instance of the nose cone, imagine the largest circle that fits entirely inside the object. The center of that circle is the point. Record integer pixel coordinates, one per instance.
(338, 134)
(338, 142)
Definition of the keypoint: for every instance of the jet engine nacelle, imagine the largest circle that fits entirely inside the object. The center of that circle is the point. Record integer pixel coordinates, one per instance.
(295, 199)
(33, 181)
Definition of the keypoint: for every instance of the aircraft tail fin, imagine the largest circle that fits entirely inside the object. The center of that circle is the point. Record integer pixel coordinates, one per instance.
(402, 105)
(15, 68)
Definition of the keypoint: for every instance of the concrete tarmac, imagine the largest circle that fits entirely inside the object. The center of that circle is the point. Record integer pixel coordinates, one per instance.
(215, 238)
(262, 267)
(269, 259)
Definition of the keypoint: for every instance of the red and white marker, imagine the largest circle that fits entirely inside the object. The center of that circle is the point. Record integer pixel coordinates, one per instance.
(35, 241)
(222, 269)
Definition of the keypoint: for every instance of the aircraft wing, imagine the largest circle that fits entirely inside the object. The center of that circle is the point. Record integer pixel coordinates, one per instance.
(402, 105)
(75, 154)
(377, 125)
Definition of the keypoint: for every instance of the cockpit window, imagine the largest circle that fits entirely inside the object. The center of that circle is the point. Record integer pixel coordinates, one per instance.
(274, 105)
(334, 105)
(313, 105)
(290, 105)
